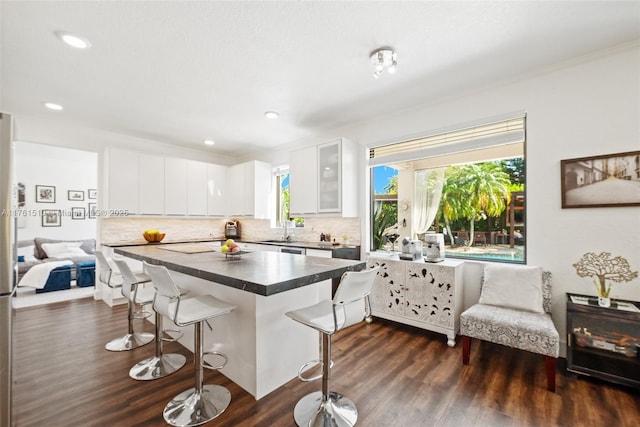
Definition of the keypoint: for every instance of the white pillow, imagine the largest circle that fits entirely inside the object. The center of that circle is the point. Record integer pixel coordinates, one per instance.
(27, 253)
(512, 286)
(70, 253)
(57, 250)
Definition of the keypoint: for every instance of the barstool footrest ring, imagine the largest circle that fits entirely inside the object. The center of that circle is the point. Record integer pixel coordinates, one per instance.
(142, 314)
(208, 365)
(308, 365)
(172, 339)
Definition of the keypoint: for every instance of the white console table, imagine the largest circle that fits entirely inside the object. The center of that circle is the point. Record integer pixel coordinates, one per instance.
(421, 294)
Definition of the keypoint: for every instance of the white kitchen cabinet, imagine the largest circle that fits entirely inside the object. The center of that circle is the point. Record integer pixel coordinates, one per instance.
(235, 199)
(196, 188)
(150, 184)
(175, 185)
(319, 253)
(425, 295)
(249, 186)
(334, 180)
(216, 190)
(121, 181)
(303, 182)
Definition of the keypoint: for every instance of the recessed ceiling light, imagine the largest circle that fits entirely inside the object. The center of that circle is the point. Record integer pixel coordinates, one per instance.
(271, 115)
(73, 40)
(209, 142)
(53, 106)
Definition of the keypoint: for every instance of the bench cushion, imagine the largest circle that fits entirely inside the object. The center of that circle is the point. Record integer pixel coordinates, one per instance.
(514, 328)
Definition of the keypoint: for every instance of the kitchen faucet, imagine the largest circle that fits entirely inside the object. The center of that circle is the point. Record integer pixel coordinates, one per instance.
(285, 236)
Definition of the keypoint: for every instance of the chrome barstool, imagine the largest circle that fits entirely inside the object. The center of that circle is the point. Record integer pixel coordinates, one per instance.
(132, 339)
(160, 365)
(201, 403)
(350, 306)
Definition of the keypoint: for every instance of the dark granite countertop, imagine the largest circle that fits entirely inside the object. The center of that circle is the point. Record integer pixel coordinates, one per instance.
(259, 272)
(144, 243)
(307, 245)
(295, 244)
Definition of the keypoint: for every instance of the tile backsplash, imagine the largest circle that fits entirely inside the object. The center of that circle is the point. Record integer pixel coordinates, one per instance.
(129, 230)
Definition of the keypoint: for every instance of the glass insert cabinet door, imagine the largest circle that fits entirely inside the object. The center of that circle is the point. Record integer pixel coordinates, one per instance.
(604, 342)
(329, 177)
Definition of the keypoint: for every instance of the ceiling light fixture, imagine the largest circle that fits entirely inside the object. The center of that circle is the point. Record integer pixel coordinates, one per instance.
(209, 142)
(384, 58)
(53, 106)
(73, 40)
(271, 115)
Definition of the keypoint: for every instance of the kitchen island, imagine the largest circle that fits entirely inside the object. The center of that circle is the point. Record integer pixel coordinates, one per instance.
(265, 348)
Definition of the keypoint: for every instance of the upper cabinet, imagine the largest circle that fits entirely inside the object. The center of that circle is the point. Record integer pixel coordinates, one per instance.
(147, 184)
(196, 188)
(324, 179)
(216, 190)
(175, 186)
(121, 177)
(150, 184)
(249, 187)
(303, 167)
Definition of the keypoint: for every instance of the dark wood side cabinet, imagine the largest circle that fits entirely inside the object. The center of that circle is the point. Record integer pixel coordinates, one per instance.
(604, 342)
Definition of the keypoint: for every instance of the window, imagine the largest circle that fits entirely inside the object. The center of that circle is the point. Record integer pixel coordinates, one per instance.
(440, 183)
(281, 176)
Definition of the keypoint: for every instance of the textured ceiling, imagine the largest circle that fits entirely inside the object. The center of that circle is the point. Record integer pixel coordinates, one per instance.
(181, 72)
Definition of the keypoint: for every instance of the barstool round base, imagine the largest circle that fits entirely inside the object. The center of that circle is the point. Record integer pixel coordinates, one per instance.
(157, 367)
(192, 409)
(130, 341)
(337, 411)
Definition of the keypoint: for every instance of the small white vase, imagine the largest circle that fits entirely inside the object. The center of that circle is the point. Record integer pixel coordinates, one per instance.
(604, 301)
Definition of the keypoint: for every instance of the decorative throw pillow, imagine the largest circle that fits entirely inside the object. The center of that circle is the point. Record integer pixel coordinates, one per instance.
(27, 253)
(512, 286)
(71, 253)
(63, 249)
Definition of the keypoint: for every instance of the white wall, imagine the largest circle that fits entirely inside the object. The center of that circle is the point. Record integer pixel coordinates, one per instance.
(65, 169)
(585, 107)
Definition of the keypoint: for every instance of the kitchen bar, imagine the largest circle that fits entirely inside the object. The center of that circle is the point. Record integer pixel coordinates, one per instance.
(264, 347)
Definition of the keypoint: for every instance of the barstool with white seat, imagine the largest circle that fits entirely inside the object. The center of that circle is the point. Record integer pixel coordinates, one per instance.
(159, 365)
(132, 339)
(201, 403)
(350, 306)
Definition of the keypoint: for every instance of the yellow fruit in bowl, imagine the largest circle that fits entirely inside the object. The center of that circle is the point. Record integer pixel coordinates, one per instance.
(224, 249)
(230, 243)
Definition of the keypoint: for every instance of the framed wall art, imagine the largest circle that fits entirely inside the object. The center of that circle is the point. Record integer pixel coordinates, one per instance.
(77, 213)
(91, 210)
(75, 195)
(600, 181)
(45, 194)
(92, 193)
(51, 218)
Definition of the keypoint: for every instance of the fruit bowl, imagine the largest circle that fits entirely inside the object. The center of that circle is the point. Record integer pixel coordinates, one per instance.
(153, 238)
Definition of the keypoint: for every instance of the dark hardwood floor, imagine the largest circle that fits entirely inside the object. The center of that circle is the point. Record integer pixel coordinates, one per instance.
(396, 375)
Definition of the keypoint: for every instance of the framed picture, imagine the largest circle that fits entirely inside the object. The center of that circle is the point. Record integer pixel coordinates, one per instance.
(77, 213)
(50, 218)
(75, 195)
(45, 194)
(92, 210)
(598, 181)
(92, 193)
(21, 195)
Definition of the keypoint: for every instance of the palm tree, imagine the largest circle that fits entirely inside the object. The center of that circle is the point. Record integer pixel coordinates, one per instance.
(486, 187)
(452, 202)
